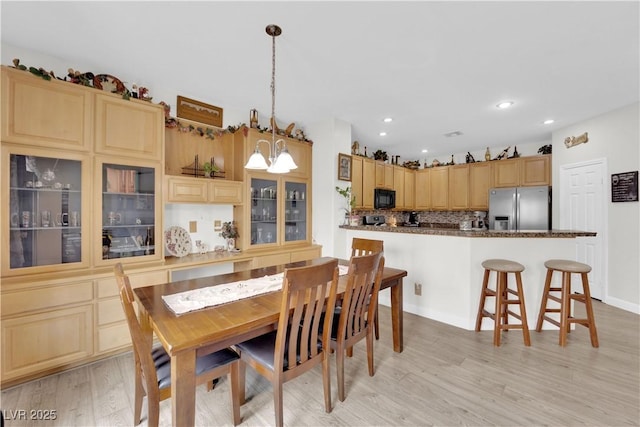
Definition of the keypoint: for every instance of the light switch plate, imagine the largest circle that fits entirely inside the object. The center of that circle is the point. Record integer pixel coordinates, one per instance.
(193, 226)
(217, 225)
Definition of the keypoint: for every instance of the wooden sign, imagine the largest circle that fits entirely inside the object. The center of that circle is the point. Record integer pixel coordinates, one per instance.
(191, 109)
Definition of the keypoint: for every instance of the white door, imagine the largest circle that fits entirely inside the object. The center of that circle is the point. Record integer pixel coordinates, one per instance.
(583, 205)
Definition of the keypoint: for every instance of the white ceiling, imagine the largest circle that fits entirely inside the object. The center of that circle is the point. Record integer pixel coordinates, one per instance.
(435, 67)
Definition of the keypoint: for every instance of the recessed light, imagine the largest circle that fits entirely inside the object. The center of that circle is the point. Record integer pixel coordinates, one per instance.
(548, 122)
(504, 104)
(383, 134)
(425, 151)
(387, 120)
(453, 133)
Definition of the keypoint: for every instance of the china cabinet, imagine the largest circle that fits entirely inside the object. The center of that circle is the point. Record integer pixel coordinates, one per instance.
(45, 209)
(276, 210)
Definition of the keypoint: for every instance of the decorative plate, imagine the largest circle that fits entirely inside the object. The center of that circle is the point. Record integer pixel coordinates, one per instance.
(177, 241)
(108, 83)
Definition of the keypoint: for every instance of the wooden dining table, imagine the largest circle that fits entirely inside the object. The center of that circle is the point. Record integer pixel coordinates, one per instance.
(210, 329)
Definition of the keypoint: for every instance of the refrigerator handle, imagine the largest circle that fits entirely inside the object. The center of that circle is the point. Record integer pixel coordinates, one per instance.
(517, 211)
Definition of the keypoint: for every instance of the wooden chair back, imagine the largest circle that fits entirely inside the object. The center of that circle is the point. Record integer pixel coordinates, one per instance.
(361, 247)
(361, 297)
(304, 299)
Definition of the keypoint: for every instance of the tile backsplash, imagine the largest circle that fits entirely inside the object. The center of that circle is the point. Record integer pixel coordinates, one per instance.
(440, 218)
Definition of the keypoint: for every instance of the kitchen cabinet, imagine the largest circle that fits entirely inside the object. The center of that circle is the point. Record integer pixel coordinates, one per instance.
(459, 187)
(479, 185)
(202, 190)
(522, 171)
(535, 170)
(409, 189)
(356, 180)
(439, 188)
(44, 113)
(423, 189)
(368, 182)
(398, 180)
(384, 175)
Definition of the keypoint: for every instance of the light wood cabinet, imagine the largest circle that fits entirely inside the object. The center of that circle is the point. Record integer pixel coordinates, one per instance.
(522, 171)
(440, 188)
(423, 189)
(202, 190)
(398, 180)
(384, 175)
(479, 185)
(44, 113)
(409, 189)
(356, 180)
(535, 170)
(368, 182)
(129, 128)
(459, 187)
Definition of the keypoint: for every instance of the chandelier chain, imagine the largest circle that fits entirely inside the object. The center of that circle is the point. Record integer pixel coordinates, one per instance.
(273, 87)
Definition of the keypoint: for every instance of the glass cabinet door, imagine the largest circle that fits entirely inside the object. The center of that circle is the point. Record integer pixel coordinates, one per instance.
(295, 211)
(264, 211)
(128, 211)
(45, 211)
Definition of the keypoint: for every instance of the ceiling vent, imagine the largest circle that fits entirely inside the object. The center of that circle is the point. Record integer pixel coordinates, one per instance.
(452, 134)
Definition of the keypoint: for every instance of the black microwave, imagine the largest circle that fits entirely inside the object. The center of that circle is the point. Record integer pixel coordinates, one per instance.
(384, 199)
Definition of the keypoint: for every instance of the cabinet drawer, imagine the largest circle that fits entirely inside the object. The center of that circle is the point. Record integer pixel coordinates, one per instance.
(268, 260)
(229, 192)
(113, 337)
(38, 299)
(46, 340)
(108, 287)
(306, 254)
(183, 190)
(110, 311)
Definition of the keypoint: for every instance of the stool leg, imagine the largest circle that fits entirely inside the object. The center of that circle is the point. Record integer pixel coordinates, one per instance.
(565, 309)
(587, 301)
(498, 316)
(504, 315)
(545, 298)
(483, 296)
(523, 311)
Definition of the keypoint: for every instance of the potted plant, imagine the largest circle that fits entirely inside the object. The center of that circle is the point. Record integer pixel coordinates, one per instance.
(230, 233)
(349, 218)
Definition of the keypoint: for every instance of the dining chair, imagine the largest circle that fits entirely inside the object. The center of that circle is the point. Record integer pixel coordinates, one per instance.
(361, 247)
(352, 322)
(153, 365)
(298, 344)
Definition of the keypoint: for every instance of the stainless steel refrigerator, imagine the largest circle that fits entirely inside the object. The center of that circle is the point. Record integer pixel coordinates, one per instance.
(520, 208)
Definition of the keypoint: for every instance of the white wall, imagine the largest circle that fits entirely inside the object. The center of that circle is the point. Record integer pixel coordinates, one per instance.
(616, 137)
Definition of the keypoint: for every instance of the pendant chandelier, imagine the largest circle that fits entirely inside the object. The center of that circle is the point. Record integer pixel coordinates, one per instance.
(280, 161)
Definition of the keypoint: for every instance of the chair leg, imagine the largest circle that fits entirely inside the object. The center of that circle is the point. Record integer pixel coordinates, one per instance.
(369, 340)
(326, 381)
(565, 309)
(523, 311)
(235, 386)
(545, 298)
(340, 370)
(483, 295)
(277, 402)
(498, 309)
(153, 417)
(139, 395)
(590, 317)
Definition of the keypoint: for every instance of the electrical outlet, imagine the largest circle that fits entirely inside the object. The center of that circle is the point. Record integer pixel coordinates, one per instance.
(193, 226)
(417, 288)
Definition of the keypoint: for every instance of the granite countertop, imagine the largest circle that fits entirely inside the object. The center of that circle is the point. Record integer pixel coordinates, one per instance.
(450, 231)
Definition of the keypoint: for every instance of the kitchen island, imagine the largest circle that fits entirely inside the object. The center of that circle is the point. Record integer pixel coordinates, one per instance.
(446, 262)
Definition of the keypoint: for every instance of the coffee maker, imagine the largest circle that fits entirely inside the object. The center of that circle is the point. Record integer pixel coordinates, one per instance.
(413, 219)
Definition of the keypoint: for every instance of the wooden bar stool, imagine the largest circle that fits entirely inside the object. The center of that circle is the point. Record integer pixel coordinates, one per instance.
(566, 319)
(501, 294)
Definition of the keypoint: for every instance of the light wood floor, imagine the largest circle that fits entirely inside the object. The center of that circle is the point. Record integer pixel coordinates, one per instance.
(445, 377)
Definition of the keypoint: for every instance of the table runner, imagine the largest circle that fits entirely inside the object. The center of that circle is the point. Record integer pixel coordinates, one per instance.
(197, 299)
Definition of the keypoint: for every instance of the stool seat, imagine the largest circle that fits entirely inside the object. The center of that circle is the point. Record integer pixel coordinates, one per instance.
(504, 299)
(567, 265)
(504, 265)
(563, 296)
